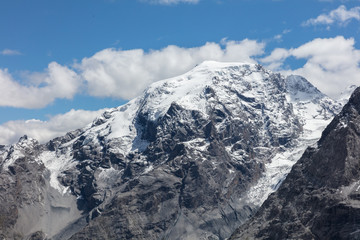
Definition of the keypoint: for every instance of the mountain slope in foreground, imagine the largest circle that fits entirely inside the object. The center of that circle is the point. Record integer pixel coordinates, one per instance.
(320, 198)
(191, 158)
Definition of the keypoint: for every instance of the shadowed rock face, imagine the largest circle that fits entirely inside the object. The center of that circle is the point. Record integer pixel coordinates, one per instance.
(179, 162)
(320, 197)
(20, 186)
(188, 194)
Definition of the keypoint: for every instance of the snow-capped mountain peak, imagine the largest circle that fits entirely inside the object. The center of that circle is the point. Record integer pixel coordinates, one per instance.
(229, 129)
(188, 89)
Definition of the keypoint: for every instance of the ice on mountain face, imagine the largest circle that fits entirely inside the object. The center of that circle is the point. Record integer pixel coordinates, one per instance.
(314, 108)
(315, 111)
(188, 89)
(124, 129)
(185, 90)
(107, 177)
(346, 93)
(236, 87)
(213, 130)
(241, 86)
(300, 89)
(56, 164)
(5, 162)
(197, 144)
(276, 171)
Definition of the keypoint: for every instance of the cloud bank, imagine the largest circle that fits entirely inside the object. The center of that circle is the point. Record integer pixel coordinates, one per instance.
(44, 131)
(331, 64)
(125, 74)
(341, 16)
(117, 73)
(56, 82)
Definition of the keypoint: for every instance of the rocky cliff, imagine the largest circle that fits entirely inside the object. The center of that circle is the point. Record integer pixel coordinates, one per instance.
(192, 158)
(320, 198)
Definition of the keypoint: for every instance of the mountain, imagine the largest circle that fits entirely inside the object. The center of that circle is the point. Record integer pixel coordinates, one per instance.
(193, 157)
(320, 197)
(346, 93)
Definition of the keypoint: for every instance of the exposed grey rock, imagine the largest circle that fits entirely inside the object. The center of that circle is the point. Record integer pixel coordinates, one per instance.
(29, 206)
(320, 197)
(179, 162)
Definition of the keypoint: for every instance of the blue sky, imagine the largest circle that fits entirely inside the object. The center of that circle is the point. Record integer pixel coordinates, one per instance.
(62, 60)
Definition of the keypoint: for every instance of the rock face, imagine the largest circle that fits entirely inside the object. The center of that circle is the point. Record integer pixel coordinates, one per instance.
(192, 158)
(30, 207)
(320, 198)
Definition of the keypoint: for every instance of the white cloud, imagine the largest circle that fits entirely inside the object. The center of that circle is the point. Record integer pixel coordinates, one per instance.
(44, 131)
(332, 64)
(340, 15)
(56, 82)
(116, 73)
(276, 58)
(170, 2)
(10, 52)
(125, 74)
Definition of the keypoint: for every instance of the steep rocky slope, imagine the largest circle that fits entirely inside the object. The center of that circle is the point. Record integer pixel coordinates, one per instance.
(191, 158)
(320, 198)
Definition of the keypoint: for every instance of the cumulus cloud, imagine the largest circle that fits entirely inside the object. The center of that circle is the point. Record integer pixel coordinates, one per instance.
(170, 2)
(340, 15)
(56, 82)
(44, 131)
(126, 73)
(332, 64)
(116, 73)
(10, 52)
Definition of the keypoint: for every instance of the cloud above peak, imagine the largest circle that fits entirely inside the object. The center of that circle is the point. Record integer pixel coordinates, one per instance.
(44, 131)
(114, 73)
(330, 63)
(126, 73)
(341, 16)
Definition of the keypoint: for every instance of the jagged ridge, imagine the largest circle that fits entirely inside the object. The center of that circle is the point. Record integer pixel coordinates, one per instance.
(193, 157)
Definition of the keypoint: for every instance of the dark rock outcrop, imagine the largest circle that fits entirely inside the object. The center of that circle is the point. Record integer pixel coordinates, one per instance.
(320, 197)
(178, 162)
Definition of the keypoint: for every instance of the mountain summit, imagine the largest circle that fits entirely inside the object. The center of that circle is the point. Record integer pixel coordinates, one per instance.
(193, 157)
